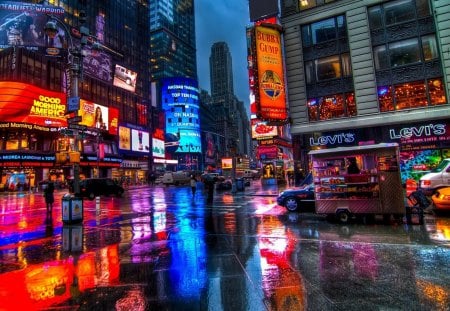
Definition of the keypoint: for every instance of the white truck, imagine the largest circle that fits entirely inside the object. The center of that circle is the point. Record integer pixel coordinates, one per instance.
(438, 177)
(176, 178)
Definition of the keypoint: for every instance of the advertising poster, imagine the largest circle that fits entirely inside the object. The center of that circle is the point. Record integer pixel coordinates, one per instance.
(271, 101)
(158, 148)
(140, 141)
(125, 78)
(262, 130)
(98, 116)
(227, 163)
(180, 102)
(22, 24)
(26, 103)
(124, 138)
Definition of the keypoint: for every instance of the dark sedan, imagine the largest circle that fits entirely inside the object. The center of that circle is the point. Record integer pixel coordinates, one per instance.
(297, 199)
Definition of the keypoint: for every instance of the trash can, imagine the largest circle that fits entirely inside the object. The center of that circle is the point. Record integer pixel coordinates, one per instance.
(240, 184)
(72, 209)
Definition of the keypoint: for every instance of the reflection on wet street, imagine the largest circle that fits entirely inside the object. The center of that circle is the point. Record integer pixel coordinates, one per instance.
(163, 249)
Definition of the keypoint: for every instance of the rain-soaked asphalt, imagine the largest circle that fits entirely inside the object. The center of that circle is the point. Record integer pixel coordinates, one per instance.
(162, 249)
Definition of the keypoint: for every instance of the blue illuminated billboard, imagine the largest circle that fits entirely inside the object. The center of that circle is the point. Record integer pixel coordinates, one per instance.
(180, 102)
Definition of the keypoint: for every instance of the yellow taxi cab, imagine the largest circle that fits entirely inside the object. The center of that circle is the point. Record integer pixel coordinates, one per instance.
(441, 199)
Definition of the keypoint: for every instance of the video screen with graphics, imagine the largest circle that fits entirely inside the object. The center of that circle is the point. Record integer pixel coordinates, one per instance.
(22, 24)
(26, 103)
(98, 116)
(125, 78)
(140, 141)
(180, 103)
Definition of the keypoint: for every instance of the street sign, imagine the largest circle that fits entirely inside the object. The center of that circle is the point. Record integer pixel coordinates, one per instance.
(73, 104)
(74, 119)
(79, 127)
(66, 132)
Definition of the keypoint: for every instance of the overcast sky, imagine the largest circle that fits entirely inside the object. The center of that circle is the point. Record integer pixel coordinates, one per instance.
(223, 21)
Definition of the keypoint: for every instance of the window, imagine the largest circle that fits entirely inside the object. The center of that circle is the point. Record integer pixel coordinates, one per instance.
(331, 107)
(411, 95)
(399, 11)
(404, 52)
(326, 68)
(375, 17)
(381, 57)
(429, 48)
(436, 91)
(323, 31)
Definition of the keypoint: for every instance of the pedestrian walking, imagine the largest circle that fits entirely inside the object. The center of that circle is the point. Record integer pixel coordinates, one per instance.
(48, 194)
(193, 183)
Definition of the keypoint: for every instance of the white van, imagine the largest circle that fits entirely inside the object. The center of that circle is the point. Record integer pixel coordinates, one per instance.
(176, 178)
(436, 178)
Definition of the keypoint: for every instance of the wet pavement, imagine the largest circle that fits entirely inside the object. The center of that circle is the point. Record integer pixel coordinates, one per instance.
(160, 248)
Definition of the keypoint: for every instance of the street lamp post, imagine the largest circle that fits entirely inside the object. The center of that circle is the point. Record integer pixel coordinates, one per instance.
(75, 63)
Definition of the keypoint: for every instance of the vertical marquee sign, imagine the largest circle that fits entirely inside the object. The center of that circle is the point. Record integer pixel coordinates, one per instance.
(271, 101)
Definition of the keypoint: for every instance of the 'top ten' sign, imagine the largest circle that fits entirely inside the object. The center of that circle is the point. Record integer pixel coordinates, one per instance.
(271, 100)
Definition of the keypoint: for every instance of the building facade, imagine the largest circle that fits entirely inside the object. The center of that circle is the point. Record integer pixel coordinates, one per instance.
(37, 70)
(363, 72)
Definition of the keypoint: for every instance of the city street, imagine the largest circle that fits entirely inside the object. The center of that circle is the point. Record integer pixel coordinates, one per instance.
(160, 248)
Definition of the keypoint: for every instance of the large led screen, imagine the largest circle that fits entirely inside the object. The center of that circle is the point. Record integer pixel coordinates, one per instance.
(180, 102)
(271, 101)
(125, 78)
(22, 24)
(26, 103)
(98, 116)
(140, 141)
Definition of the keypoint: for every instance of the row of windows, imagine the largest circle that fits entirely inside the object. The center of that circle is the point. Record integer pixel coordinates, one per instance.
(411, 95)
(405, 52)
(418, 49)
(331, 107)
(399, 11)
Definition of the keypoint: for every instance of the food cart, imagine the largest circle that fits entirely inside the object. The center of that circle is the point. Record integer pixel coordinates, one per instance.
(358, 181)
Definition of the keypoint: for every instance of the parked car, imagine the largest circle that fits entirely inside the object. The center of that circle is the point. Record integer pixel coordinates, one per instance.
(436, 178)
(297, 199)
(92, 187)
(441, 199)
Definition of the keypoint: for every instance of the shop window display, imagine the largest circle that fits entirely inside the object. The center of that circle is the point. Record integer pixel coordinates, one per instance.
(331, 107)
(411, 95)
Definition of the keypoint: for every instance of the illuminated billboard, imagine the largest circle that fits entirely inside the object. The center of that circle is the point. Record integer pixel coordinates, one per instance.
(140, 141)
(22, 24)
(180, 102)
(26, 103)
(124, 138)
(98, 116)
(158, 143)
(158, 149)
(271, 101)
(125, 78)
(262, 130)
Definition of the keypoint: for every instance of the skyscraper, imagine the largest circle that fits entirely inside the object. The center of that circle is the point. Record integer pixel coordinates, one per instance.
(172, 39)
(233, 121)
(221, 70)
